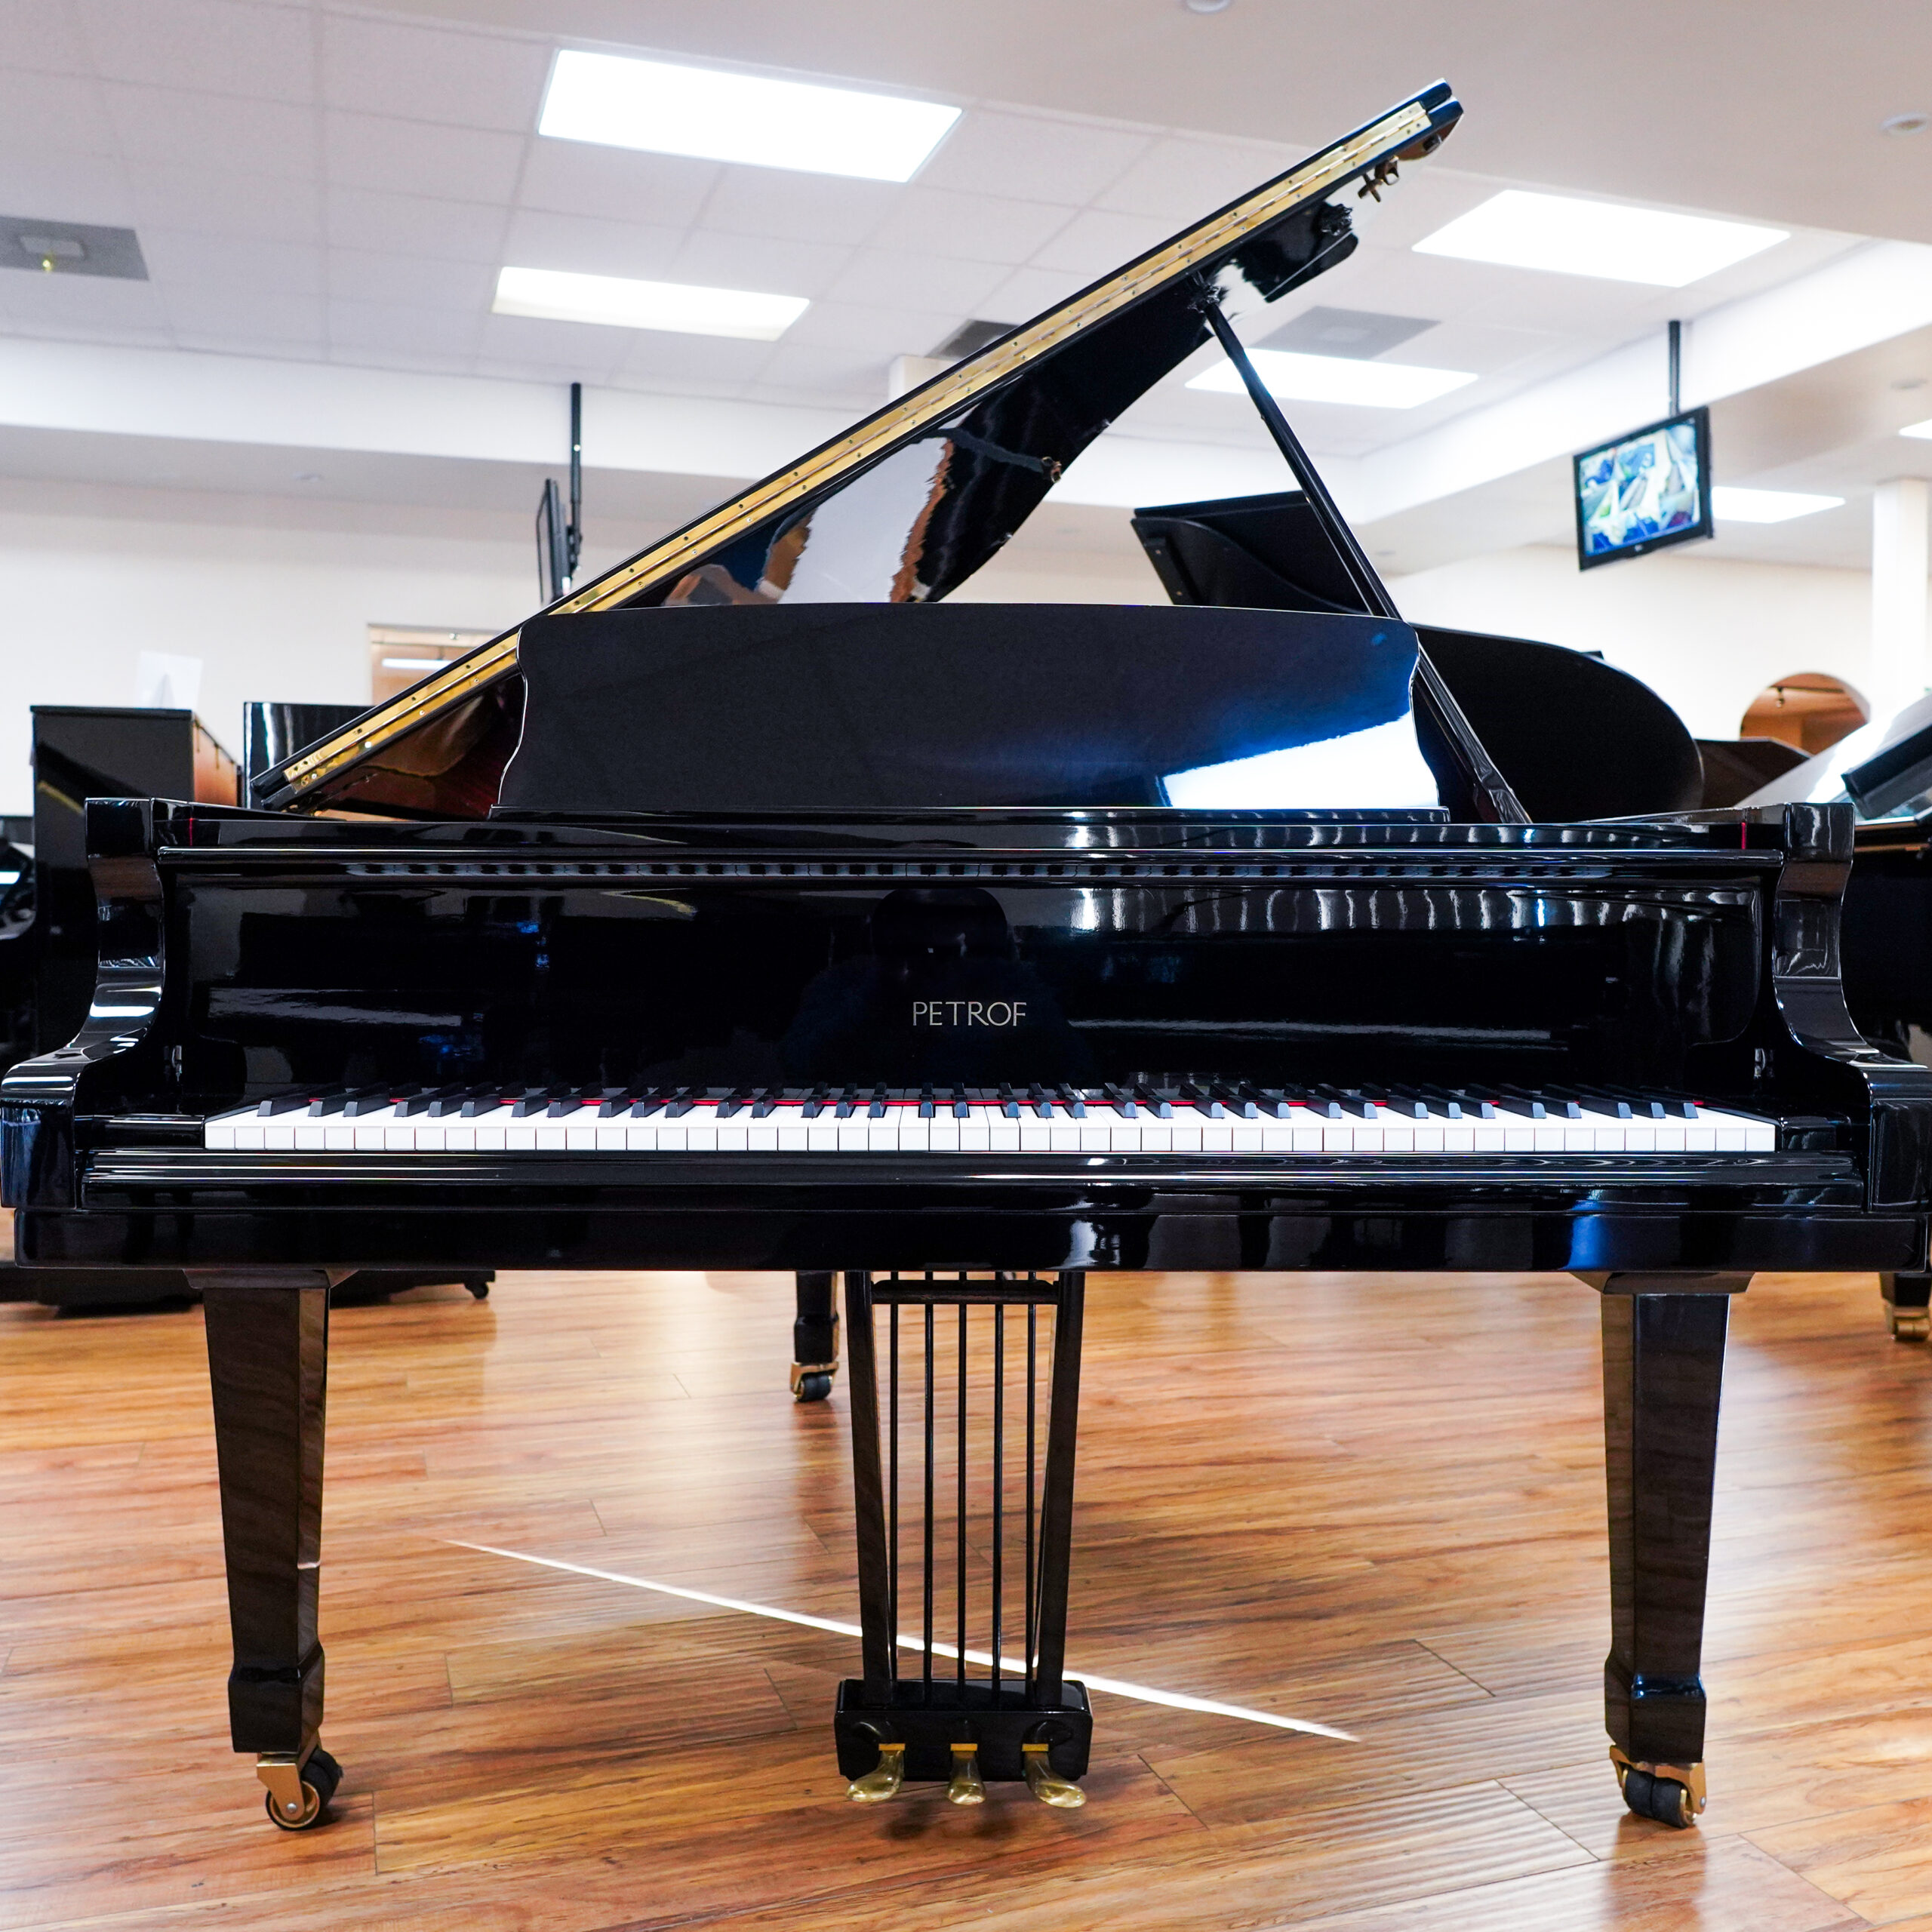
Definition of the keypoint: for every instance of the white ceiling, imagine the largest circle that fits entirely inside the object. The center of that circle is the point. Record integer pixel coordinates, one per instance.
(323, 182)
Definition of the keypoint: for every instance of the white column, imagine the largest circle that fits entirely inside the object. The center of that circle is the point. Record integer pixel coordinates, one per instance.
(1900, 670)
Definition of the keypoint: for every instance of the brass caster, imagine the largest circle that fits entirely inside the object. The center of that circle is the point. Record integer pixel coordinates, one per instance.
(967, 1786)
(1909, 1324)
(1045, 1783)
(299, 1785)
(811, 1381)
(883, 1780)
(1672, 1794)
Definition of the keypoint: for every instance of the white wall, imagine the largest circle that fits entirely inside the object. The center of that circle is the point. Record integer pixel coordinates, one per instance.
(1705, 633)
(274, 597)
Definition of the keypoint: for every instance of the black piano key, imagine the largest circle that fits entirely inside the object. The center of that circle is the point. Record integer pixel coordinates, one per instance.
(1346, 1100)
(534, 1100)
(1123, 1103)
(650, 1100)
(1269, 1102)
(1601, 1100)
(1073, 1101)
(1476, 1105)
(1441, 1101)
(881, 1097)
(424, 1098)
(1201, 1099)
(1040, 1101)
(340, 1101)
(1559, 1101)
(284, 1103)
(487, 1099)
(683, 1101)
(1158, 1102)
(1236, 1099)
(736, 1100)
(1322, 1104)
(1403, 1101)
(1009, 1104)
(765, 1101)
(1511, 1100)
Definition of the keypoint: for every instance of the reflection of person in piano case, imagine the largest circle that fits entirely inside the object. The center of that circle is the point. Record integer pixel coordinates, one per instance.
(942, 996)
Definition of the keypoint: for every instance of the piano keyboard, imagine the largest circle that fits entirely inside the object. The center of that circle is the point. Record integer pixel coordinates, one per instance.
(1212, 1118)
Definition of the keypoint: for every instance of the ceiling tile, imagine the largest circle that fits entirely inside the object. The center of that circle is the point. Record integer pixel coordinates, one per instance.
(520, 345)
(715, 361)
(576, 243)
(802, 372)
(220, 132)
(575, 177)
(1028, 292)
(1095, 243)
(244, 319)
(774, 268)
(864, 328)
(54, 114)
(430, 281)
(73, 187)
(1177, 181)
(409, 157)
(890, 280)
(81, 305)
(1032, 157)
(426, 73)
(267, 207)
(233, 265)
(210, 46)
(415, 225)
(42, 35)
(776, 202)
(386, 327)
(980, 228)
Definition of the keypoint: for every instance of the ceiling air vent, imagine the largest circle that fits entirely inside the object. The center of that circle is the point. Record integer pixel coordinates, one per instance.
(69, 248)
(1359, 333)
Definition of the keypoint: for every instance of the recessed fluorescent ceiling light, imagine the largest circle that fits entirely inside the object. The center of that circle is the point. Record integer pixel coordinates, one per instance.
(1733, 505)
(556, 297)
(1336, 379)
(717, 116)
(1521, 230)
(1923, 429)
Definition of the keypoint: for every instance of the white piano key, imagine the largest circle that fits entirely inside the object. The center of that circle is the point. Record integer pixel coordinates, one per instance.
(1063, 1136)
(1036, 1136)
(734, 1135)
(794, 1140)
(915, 1136)
(943, 1133)
(1459, 1136)
(1003, 1134)
(761, 1137)
(976, 1134)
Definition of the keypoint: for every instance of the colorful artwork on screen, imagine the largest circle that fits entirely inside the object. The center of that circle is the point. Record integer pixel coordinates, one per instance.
(1640, 489)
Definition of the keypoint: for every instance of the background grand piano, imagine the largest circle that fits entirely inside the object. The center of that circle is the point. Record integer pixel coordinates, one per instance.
(819, 925)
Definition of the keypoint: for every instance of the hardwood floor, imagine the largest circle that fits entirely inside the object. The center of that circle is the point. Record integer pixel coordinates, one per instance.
(1377, 1503)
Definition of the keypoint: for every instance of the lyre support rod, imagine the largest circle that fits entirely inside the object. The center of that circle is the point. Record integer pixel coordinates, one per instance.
(574, 529)
(1369, 587)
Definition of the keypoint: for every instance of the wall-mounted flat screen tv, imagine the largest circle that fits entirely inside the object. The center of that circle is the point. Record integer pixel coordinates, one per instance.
(1644, 490)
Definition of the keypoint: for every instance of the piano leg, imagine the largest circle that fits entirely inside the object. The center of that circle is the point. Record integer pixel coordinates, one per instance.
(1662, 1368)
(268, 1360)
(1907, 1299)
(815, 1338)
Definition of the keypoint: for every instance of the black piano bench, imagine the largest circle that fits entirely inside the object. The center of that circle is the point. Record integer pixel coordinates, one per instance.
(959, 1458)
(815, 1338)
(1663, 1341)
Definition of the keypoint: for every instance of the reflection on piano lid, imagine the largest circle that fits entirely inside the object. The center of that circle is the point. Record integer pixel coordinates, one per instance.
(906, 506)
(1576, 738)
(1884, 769)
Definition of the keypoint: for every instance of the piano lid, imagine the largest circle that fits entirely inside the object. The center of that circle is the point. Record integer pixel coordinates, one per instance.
(904, 506)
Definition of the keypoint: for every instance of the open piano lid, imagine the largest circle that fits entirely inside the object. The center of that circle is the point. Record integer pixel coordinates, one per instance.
(906, 505)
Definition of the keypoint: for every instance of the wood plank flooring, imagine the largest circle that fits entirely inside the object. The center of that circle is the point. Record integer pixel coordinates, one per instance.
(1375, 1502)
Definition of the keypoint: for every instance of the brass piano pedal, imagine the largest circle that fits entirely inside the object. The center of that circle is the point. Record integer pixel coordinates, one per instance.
(967, 1786)
(1047, 1784)
(883, 1780)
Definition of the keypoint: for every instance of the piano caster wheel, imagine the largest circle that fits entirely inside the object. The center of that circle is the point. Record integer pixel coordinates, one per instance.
(1045, 1783)
(479, 1289)
(811, 1382)
(1672, 1794)
(966, 1787)
(883, 1780)
(297, 1796)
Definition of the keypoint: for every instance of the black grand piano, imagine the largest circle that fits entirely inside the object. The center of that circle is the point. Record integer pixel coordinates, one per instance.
(755, 907)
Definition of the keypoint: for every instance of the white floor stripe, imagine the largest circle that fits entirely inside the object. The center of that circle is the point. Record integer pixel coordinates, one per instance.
(1176, 1700)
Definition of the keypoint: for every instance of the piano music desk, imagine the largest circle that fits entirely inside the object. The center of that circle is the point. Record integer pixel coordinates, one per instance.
(1376, 1502)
